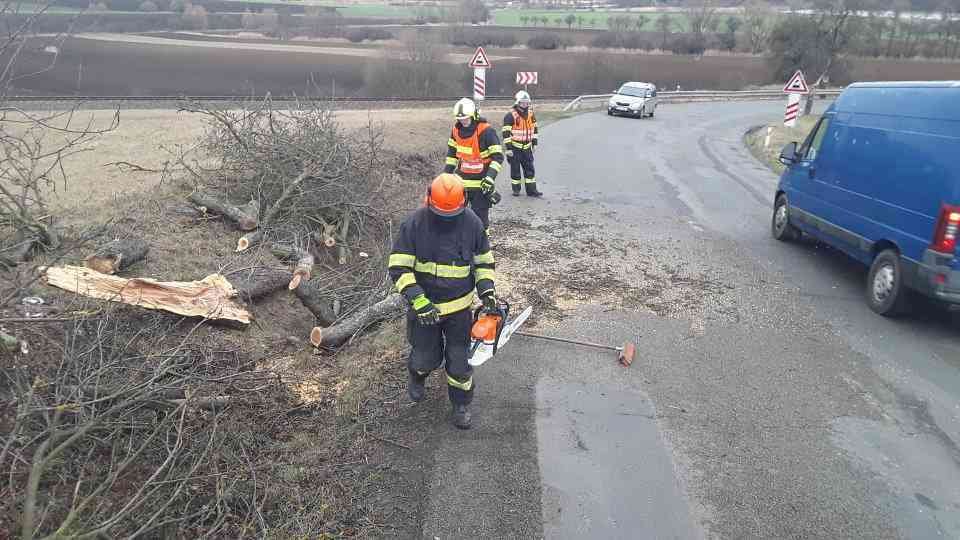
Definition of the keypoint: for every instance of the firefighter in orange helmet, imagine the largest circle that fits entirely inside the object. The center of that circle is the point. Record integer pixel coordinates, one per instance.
(474, 153)
(440, 259)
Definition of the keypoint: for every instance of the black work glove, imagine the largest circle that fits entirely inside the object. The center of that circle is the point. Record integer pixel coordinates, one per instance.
(487, 186)
(489, 303)
(427, 314)
(494, 198)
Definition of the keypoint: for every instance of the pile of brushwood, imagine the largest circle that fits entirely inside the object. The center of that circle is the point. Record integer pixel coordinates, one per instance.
(118, 419)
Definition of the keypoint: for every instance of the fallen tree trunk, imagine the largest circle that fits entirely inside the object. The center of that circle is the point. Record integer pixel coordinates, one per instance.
(117, 255)
(391, 306)
(210, 298)
(246, 217)
(303, 258)
(259, 282)
(322, 309)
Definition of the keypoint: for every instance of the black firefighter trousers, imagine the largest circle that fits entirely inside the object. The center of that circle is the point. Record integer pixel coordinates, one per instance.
(450, 341)
(522, 172)
(480, 204)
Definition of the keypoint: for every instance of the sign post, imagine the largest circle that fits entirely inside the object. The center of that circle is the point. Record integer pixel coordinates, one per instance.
(795, 87)
(480, 64)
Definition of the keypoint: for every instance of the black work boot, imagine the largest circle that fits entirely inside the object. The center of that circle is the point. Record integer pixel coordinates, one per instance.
(461, 416)
(516, 192)
(533, 192)
(415, 387)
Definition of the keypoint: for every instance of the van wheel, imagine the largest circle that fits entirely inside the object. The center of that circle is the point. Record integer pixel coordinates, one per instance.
(886, 293)
(781, 227)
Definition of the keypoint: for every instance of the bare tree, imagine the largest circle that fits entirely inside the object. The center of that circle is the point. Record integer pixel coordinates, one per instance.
(758, 23)
(664, 24)
(33, 147)
(701, 17)
(833, 37)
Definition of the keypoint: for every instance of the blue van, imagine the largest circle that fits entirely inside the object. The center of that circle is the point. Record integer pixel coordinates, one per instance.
(879, 179)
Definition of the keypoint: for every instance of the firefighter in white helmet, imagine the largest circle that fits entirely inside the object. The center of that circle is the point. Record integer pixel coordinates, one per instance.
(474, 153)
(520, 134)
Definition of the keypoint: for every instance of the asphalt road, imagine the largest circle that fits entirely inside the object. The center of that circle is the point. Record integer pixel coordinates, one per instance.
(774, 404)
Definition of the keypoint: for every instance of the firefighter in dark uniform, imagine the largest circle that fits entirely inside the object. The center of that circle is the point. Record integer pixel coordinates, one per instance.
(474, 153)
(520, 134)
(441, 256)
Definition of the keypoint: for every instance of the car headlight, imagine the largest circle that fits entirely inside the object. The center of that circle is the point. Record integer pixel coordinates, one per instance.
(635, 105)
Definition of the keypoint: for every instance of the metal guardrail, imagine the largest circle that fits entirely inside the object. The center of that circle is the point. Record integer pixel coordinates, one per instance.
(575, 103)
(337, 99)
(702, 95)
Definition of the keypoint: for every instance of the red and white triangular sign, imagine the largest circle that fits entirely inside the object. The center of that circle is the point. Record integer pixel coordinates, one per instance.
(480, 59)
(797, 84)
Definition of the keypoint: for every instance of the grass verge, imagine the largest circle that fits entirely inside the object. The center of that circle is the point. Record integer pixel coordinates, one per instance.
(779, 137)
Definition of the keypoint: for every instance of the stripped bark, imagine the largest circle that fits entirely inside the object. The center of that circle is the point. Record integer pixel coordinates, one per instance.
(390, 307)
(117, 255)
(245, 217)
(210, 298)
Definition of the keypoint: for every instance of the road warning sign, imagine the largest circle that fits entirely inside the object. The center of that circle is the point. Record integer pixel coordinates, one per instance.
(480, 60)
(797, 84)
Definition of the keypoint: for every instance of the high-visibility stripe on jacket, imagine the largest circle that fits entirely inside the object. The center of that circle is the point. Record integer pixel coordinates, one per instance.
(520, 130)
(445, 260)
(474, 153)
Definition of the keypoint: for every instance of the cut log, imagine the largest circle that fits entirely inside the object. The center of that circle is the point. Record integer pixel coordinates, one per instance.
(249, 240)
(392, 306)
(212, 297)
(319, 305)
(259, 282)
(117, 255)
(246, 217)
(303, 258)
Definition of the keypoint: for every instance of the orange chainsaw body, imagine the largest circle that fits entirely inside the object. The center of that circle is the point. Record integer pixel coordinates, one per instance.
(486, 327)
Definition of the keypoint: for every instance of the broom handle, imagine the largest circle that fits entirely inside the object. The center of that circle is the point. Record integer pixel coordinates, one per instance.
(571, 341)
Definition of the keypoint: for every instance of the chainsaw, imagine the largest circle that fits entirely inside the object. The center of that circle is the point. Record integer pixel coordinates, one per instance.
(492, 330)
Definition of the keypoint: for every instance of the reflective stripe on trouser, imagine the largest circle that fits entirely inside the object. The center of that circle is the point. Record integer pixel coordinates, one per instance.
(522, 171)
(448, 342)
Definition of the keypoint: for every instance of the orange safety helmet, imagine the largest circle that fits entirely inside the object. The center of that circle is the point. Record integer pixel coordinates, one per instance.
(445, 196)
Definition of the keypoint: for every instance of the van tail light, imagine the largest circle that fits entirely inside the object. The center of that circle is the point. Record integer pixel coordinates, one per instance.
(947, 231)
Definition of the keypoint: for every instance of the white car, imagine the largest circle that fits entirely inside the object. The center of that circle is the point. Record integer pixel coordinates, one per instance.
(636, 99)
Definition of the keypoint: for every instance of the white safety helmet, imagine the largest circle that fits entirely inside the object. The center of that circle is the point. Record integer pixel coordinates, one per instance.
(522, 98)
(465, 108)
